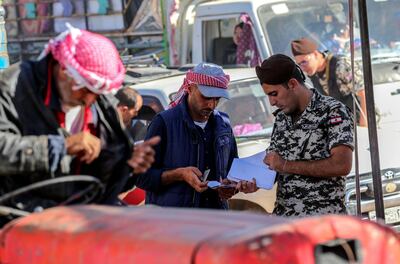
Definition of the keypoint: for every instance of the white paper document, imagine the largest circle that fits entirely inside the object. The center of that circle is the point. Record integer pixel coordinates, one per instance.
(253, 167)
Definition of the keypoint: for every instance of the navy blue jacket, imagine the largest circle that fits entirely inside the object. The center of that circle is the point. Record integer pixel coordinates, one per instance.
(181, 146)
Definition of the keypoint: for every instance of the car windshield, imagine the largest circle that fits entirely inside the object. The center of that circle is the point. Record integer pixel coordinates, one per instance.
(249, 110)
(326, 21)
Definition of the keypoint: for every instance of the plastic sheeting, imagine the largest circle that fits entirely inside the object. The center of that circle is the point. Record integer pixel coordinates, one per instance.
(148, 17)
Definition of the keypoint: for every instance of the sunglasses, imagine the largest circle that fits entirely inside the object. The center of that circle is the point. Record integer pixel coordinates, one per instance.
(304, 62)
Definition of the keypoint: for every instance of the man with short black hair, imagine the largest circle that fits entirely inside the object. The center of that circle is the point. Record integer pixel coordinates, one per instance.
(311, 145)
(129, 104)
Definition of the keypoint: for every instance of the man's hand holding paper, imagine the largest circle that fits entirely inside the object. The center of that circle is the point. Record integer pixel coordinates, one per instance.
(247, 186)
(227, 189)
(252, 169)
(275, 161)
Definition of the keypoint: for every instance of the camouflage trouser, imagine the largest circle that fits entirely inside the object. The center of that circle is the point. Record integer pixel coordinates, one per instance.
(299, 195)
(304, 208)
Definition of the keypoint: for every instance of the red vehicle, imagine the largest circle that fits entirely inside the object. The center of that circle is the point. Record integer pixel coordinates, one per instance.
(101, 234)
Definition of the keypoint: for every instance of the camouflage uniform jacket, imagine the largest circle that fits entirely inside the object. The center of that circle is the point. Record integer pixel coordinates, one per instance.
(336, 79)
(344, 77)
(324, 124)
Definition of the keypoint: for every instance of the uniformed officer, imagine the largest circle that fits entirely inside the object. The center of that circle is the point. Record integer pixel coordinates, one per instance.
(331, 74)
(311, 145)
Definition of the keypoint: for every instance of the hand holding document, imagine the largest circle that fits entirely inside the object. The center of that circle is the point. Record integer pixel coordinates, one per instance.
(253, 167)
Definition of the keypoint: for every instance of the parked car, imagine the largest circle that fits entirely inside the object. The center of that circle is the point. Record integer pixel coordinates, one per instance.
(386, 81)
(390, 174)
(250, 106)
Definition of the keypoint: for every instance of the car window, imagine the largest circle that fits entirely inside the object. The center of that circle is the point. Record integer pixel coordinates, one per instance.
(230, 41)
(249, 109)
(218, 37)
(326, 22)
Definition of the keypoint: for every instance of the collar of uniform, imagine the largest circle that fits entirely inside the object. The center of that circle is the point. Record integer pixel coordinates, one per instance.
(312, 105)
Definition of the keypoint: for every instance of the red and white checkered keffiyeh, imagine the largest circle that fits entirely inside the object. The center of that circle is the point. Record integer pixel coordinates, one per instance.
(202, 79)
(90, 59)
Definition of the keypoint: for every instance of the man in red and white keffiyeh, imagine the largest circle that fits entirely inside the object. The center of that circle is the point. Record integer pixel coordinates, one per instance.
(211, 83)
(84, 65)
(77, 68)
(197, 146)
(89, 58)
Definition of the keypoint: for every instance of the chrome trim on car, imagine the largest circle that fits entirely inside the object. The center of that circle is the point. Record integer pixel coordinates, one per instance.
(352, 192)
(367, 206)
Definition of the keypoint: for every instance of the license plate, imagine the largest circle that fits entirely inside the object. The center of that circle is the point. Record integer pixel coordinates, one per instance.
(392, 215)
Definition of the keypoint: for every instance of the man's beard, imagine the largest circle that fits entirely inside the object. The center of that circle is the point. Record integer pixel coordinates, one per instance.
(206, 112)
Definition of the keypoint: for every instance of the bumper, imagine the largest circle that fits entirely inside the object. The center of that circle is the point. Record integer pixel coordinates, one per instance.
(369, 206)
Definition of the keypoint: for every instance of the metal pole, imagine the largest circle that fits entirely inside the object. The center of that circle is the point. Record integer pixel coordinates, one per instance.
(165, 22)
(357, 176)
(369, 96)
(85, 11)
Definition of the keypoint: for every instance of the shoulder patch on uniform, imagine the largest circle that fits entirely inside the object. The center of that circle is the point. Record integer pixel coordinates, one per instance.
(334, 120)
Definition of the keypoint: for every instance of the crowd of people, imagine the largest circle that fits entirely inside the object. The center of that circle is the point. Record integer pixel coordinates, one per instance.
(311, 145)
